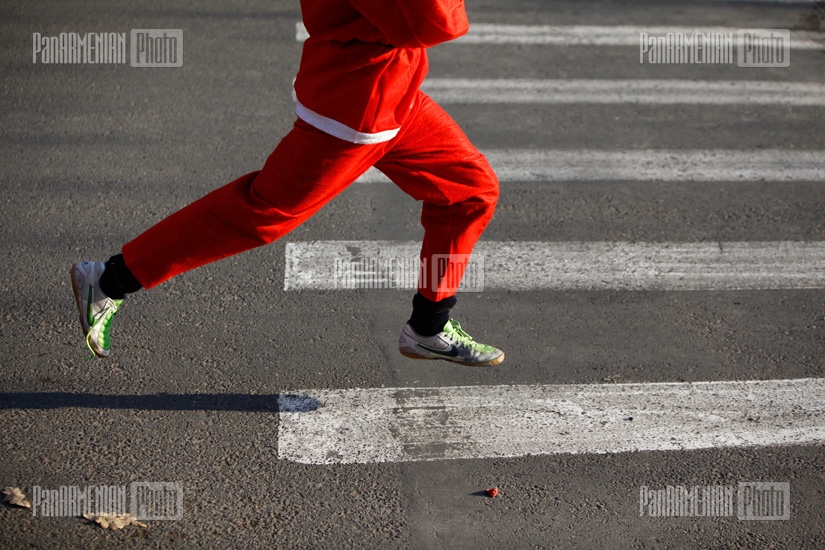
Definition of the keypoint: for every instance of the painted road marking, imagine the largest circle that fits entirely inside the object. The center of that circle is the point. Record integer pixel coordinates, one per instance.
(656, 92)
(705, 266)
(590, 35)
(596, 35)
(415, 424)
(541, 165)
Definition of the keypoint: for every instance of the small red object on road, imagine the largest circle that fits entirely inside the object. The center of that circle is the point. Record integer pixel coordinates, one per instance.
(493, 492)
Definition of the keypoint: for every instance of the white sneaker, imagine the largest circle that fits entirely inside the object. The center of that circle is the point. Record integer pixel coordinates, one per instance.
(451, 344)
(96, 309)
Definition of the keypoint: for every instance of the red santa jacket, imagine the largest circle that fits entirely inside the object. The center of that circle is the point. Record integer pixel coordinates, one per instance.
(365, 59)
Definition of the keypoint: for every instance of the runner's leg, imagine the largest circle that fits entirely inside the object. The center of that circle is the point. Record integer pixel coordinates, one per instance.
(433, 161)
(307, 169)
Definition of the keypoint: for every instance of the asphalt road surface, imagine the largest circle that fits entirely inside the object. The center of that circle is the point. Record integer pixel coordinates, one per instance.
(93, 154)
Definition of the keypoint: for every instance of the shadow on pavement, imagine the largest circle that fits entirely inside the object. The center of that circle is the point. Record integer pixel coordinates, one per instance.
(161, 402)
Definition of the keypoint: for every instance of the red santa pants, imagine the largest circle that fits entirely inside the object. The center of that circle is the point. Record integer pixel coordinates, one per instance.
(430, 159)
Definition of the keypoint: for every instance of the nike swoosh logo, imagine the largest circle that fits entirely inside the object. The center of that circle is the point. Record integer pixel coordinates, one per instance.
(451, 353)
(90, 318)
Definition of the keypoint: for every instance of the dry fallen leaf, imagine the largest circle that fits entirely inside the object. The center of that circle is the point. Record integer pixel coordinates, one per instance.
(113, 522)
(14, 496)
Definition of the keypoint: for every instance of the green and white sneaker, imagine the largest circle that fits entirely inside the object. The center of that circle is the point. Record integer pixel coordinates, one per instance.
(96, 309)
(451, 344)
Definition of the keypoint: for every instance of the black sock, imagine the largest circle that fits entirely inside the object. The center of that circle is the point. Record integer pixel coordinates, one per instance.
(428, 317)
(117, 281)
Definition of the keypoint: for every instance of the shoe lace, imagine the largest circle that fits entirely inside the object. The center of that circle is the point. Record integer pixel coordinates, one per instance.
(462, 337)
(105, 317)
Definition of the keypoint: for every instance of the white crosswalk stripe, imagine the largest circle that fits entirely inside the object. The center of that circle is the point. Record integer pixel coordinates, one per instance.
(655, 92)
(413, 424)
(529, 165)
(326, 265)
(590, 35)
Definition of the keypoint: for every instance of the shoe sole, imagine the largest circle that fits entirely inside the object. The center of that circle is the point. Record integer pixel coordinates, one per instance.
(490, 363)
(76, 290)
